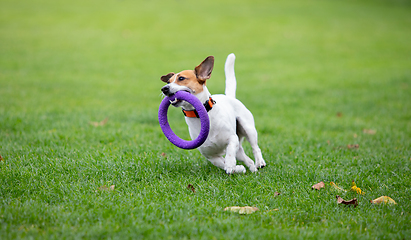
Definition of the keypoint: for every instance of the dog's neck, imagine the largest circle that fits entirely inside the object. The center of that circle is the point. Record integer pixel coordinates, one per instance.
(203, 96)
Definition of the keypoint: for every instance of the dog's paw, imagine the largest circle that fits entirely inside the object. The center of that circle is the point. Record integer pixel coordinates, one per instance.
(229, 170)
(235, 169)
(260, 164)
(253, 168)
(240, 169)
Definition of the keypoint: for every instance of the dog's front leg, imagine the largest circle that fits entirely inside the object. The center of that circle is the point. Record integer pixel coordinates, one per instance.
(230, 157)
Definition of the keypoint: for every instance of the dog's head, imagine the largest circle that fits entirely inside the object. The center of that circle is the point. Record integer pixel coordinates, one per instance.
(192, 81)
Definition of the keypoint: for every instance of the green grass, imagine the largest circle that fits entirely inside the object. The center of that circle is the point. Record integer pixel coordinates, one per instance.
(299, 63)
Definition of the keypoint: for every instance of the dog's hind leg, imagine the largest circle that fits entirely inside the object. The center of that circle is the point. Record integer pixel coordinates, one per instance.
(246, 128)
(252, 139)
(259, 160)
(241, 156)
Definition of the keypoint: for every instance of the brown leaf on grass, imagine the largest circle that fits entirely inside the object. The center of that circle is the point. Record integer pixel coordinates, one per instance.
(339, 114)
(276, 194)
(101, 123)
(353, 146)
(369, 131)
(1, 158)
(105, 188)
(242, 210)
(191, 187)
(318, 186)
(163, 154)
(349, 202)
(383, 199)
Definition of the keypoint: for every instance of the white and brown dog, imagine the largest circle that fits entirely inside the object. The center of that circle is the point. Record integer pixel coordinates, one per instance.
(230, 120)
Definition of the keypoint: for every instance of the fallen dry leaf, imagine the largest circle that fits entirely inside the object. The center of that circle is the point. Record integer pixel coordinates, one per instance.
(339, 114)
(242, 210)
(318, 186)
(105, 188)
(1, 158)
(369, 131)
(349, 202)
(191, 187)
(163, 154)
(101, 123)
(383, 199)
(353, 146)
(334, 186)
(355, 188)
(276, 194)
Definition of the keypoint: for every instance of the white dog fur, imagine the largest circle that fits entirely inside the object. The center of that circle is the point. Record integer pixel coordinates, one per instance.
(230, 120)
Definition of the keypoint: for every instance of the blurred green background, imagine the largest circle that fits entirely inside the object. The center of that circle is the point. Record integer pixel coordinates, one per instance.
(92, 54)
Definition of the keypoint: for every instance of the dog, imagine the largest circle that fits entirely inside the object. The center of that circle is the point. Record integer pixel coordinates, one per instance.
(230, 121)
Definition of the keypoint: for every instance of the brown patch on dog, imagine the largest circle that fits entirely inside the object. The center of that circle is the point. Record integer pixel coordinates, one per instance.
(189, 79)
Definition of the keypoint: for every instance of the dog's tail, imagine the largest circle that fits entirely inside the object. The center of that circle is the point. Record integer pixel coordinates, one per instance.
(230, 81)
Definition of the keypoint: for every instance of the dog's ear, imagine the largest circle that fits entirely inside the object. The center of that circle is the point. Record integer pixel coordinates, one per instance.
(167, 77)
(203, 71)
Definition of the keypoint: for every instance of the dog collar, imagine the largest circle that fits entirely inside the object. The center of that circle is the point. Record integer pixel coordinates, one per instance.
(194, 114)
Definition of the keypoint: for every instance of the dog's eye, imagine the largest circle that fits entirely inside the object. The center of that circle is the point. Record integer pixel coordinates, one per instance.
(181, 78)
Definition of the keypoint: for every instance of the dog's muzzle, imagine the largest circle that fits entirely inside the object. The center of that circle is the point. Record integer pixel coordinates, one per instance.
(166, 90)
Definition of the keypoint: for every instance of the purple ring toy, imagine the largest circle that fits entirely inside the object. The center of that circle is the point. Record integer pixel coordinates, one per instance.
(165, 126)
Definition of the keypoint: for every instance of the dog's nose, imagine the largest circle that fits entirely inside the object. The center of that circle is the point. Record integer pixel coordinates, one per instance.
(166, 90)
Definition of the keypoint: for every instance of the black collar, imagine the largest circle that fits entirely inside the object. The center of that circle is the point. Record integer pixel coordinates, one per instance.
(194, 114)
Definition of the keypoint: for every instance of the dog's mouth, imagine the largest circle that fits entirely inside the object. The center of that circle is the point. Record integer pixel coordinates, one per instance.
(175, 101)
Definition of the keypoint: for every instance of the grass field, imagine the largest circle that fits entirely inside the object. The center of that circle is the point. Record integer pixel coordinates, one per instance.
(314, 73)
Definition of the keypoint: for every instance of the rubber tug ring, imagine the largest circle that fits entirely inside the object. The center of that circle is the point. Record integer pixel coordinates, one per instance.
(168, 132)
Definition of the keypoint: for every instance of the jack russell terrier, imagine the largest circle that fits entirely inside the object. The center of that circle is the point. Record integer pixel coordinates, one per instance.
(230, 120)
